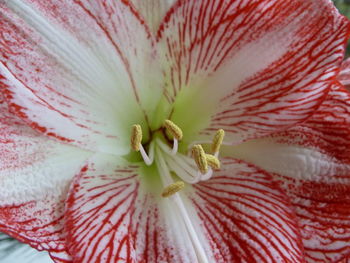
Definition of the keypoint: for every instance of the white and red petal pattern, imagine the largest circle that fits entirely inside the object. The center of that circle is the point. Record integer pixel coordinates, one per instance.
(322, 210)
(34, 178)
(111, 217)
(250, 67)
(344, 75)
(153, 11)
(61, 256)
(240, 215)
(246, 217)
(312, 162)
(71, 69)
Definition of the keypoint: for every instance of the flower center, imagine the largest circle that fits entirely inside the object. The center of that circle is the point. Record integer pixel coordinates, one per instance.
(196, 167)
(190, 169)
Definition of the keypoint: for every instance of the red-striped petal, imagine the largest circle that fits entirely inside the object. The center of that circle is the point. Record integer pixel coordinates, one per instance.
(153, 11)
(323, 213)
(317, 149)
(323, 206)
(246, 217)
(312, 163)
(34, 176)
(250, 67)
(60, 256)
(72, 69)
(344, 75)
(113, 214)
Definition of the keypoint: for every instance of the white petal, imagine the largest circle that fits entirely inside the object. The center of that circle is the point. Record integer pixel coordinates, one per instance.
(11, 251)
(35, 173)
(85, 77)
(250, 67)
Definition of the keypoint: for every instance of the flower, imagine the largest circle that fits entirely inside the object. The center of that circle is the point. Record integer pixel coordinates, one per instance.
(80, 79)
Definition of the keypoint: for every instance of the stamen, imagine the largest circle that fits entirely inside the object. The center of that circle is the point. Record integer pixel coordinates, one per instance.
(173, 189)
(179, 206)
(200, 158)
(175, 147)
(207, 176)
(182, 165)
(212, 161)
(217, 141)
(136, 144)
(185, 172)
(147, 159)
(173, 129)
(136, 137)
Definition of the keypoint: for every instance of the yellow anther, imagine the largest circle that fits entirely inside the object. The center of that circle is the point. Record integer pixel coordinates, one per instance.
(136, 137)
(217, 141)
(200, 158)
(173, 188)
(212, 161)
(173, 129)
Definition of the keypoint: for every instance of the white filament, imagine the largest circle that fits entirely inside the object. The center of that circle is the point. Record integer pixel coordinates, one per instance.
(183, 166)
(207, 176)
(147, 159)
(182, 172)
(175, 146)
(167, 180)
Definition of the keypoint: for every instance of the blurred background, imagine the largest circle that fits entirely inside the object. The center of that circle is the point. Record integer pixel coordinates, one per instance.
(12, 251)
(344, 8)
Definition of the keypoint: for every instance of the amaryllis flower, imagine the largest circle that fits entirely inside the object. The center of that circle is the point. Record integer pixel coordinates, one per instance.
(113, 114)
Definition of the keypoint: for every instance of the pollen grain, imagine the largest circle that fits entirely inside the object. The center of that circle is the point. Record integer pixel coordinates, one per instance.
(217, 140)
(173, 188)
(136, 137)
(173, 129)
(212, 161)
(200, 158)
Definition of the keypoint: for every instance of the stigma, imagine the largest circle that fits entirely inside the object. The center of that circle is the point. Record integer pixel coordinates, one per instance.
(193, 168)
